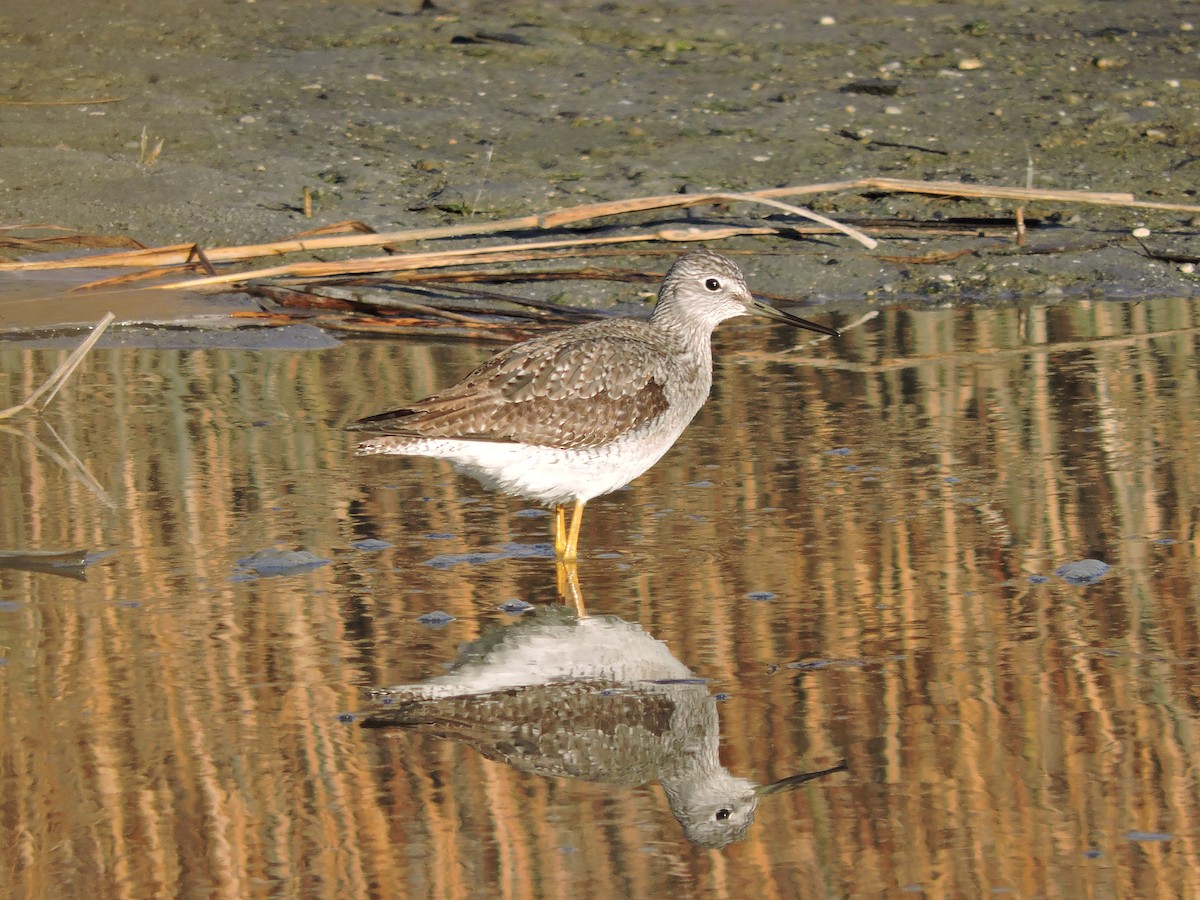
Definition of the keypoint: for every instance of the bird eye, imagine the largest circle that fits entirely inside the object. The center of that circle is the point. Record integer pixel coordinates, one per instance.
(722, 814)
(712, 284)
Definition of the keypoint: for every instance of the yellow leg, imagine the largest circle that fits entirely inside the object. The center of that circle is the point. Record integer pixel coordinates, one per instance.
(566, 552)
(560, 531)
(568, 587)
(571, 553)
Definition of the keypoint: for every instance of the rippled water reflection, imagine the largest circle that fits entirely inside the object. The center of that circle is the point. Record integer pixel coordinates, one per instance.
(852, 552)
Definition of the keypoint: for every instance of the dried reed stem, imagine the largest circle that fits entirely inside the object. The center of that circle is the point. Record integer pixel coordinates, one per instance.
(58, 378)
(179, 253)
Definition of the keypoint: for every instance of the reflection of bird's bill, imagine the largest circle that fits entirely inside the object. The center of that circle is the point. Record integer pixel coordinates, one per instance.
(783, 785)
(773, 312)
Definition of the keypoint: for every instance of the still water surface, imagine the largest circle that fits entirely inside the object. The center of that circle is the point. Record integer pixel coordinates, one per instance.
(850, 555)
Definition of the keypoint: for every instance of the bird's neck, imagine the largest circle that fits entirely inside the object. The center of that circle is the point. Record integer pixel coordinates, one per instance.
(691, 337)
(674, 317)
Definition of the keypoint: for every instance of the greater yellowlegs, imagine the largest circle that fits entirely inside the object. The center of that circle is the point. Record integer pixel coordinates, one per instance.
(582, 412)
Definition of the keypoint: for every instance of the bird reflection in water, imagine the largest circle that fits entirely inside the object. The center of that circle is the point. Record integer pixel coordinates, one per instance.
(595, 698)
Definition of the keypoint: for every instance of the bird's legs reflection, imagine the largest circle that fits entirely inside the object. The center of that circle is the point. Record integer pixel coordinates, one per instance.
(569, 591)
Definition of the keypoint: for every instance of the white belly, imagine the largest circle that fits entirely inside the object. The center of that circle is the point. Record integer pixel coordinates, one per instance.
(546, 474)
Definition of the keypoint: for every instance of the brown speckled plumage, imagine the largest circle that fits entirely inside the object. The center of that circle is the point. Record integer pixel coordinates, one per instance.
(605, 374)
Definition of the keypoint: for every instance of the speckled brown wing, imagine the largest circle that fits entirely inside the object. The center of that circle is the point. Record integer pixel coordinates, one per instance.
(614, 732)
(541, 391)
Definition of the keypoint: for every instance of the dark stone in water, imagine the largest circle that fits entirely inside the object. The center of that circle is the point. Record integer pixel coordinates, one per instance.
(281, 562)
(370, 544)
(1084, 571)
(1148, 836)
(436, 619)
(515, 606)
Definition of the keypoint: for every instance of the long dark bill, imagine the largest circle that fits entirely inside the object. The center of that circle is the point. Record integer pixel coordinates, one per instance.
(771, 312)
(792, 782)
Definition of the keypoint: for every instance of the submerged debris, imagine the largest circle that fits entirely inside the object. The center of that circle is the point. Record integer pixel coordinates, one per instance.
(281, 562)
(1084, 571)
(436, 619)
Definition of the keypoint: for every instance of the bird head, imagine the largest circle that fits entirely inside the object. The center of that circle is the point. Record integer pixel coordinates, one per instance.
(707, 287)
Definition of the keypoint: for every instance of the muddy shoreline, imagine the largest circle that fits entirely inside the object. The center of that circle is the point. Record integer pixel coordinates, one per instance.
(422, 114)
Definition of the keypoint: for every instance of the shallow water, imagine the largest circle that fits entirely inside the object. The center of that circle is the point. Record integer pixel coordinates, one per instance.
(850, 555)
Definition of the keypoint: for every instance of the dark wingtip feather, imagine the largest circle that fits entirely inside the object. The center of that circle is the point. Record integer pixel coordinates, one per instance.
(377, 422)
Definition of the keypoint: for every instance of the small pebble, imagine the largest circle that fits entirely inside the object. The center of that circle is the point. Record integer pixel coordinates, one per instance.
(281, 562)
(370, 544)
(968, 64)
(1141, 232)
(1148, 836)
(436, 619)
(515, 606)
(1084, 571)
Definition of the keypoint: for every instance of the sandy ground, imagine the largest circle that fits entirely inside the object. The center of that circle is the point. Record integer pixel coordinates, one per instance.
(402, 114)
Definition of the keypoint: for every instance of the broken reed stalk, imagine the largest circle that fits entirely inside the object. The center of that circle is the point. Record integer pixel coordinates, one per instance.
(440, 258)
(54, 383)
(176, 255)
(1019, 212)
